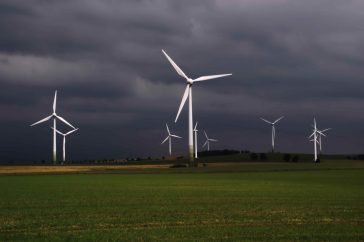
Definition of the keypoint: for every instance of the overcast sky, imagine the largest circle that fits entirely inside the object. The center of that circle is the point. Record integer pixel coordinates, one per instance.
(294, 58)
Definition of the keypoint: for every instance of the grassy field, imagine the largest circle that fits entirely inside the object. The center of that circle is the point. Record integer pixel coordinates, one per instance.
(230, 202)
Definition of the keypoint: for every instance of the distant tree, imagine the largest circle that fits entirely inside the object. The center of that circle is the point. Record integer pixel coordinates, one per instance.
(163, 157)
(253, 156)
(360, 157)
(295, 158)
(149, 158)
(287, 157)
(262, 156)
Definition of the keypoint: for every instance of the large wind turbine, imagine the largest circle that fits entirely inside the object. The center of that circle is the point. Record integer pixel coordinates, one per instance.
(208, 141)
(64, 141)
(54, 116)
(315, 141)
(273, 129)
(195, 130)
(319, 138)
(188, 93)
(169, 138)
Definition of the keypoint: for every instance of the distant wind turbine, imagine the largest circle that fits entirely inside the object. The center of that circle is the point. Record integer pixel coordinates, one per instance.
(273, 129)
(319, 138)
(315, 141)
(208, 141)
(195, 130)
(64, 140)
(188, 93)
(54, 116)
(169, 138)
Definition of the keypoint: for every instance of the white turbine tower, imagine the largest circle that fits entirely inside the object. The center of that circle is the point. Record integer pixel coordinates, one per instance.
(169, 138)
(208, 141)
(64, 141)
(320, 136)
(273, 129)
(188, 93)
(54, 116)
(315, 141)
(195, 130)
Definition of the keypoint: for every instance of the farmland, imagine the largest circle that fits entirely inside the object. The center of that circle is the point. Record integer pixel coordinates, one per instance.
(220, 202)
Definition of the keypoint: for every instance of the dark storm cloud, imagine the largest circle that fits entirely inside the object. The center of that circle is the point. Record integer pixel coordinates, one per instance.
(288, 57)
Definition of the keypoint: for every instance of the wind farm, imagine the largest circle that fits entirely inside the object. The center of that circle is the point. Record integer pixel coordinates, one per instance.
(55, 117)
(181, 121)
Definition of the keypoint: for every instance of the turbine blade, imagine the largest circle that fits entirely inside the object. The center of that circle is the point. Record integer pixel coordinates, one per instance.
(179, 71)
(43, 120)
(168, 129)
(214, 140)
(321, 133)
(70, 132)
(205, 143)
(55, 101)
(311, 135)
(184, 98)
(64, 121)
(59, 132)
(204, 78)
(266, 121)
(278, 120)
(165, 140)
(176, 136)
(195, 126)
(206, 134)
(325, 130)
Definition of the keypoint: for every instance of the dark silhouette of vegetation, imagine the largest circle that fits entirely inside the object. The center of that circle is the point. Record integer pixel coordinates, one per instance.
(263, 156)
(253, 156)
(287, 157)
(295, 158)
(218, 152)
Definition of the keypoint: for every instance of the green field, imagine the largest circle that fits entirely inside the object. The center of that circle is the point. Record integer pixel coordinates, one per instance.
(314, 203)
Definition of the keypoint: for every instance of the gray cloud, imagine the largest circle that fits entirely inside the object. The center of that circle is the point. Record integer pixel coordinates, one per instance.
(288, 57)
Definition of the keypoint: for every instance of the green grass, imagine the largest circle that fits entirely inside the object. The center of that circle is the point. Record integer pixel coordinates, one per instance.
(312, 204)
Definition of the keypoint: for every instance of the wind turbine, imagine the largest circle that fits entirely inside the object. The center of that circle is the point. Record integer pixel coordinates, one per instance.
(315, 141)
(273, 129)
(208, 141)
(64, 141)
(169, 138)
(55, 117)
(320, 141)
(188, 93)
(195, 130)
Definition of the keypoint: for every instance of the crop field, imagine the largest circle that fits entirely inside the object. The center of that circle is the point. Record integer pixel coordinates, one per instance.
(230, 202)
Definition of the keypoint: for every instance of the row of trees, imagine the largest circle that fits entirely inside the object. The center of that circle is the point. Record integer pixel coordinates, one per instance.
(264, 157)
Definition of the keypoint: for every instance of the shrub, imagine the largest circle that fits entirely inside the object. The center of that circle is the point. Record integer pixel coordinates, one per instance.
(262, 156)
(287, 157)
(295, 158)
(253, 156)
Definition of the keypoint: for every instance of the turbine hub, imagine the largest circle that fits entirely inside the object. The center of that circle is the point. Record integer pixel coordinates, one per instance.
(190, 81)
